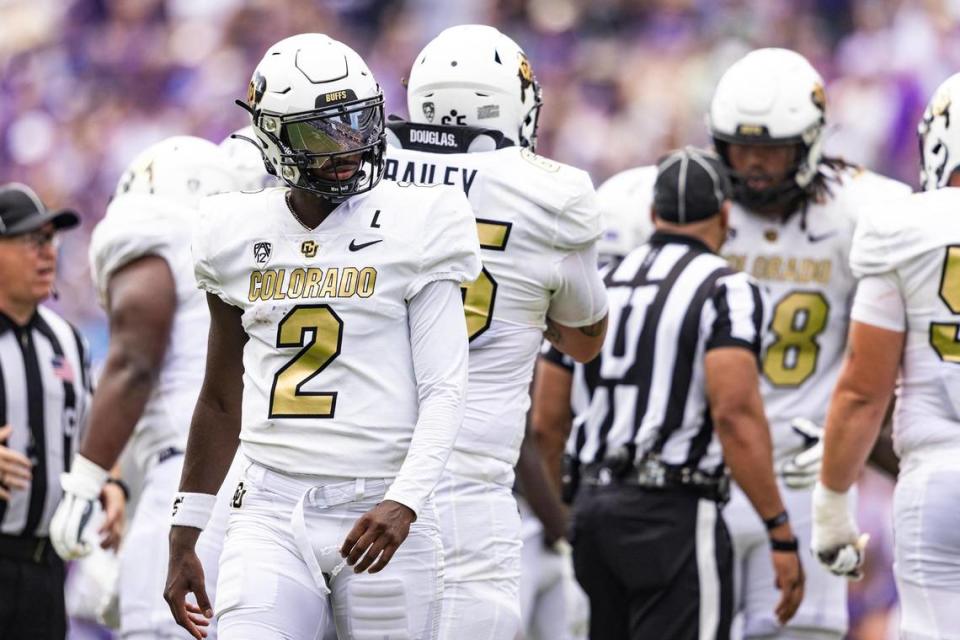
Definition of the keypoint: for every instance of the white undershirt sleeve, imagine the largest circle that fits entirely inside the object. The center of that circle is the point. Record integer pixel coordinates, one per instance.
(580, 299)
(878, 302)
(438, 340)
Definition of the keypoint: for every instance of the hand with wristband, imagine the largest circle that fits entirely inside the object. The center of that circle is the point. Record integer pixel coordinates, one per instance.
(93, 506)
(784, 553)
(191, 513)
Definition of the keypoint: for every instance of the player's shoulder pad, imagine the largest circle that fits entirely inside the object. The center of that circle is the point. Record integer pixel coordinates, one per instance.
(137, 225)
(859, 189)
(564, 192)
(891, 233)
(240, 212)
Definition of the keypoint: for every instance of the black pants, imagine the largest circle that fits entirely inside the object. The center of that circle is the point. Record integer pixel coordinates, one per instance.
(31, 598)
(656, 565)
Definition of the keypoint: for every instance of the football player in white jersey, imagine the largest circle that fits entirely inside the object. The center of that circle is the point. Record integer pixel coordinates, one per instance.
(905, 321)
(791, 228)
(143, 272)
(474, 105)
(337, 356)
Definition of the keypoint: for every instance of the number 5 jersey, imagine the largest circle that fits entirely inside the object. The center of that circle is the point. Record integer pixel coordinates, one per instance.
(538, 222)
(329, 386)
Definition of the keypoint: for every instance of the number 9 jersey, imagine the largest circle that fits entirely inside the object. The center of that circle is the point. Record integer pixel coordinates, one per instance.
(329, 386)
(802, 262)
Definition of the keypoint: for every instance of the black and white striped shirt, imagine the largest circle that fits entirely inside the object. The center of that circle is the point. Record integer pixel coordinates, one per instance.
(671, 300)
(45, 391)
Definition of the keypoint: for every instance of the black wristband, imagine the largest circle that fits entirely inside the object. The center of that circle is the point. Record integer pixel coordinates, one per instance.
(123, 487)
(785, 546)
(776, 521)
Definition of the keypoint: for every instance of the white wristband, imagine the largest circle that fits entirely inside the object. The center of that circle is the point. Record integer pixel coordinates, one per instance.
(85, 479)
(192, 509)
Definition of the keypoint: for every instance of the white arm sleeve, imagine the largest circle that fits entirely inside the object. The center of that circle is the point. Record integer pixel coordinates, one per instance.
(878, 302)
(581, 297)
(438, 339)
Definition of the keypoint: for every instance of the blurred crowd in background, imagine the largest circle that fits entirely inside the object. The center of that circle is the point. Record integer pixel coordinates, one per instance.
(87, 84)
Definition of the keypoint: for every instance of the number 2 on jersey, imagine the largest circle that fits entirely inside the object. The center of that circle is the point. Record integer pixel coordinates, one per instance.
(798, 319)
(479, 295)
(319, 331)
(943, 335)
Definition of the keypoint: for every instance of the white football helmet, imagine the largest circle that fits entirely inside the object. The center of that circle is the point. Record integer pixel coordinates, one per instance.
(771, 96)
(318, 112)
(939, 132)
(246, 161)
(474, 75)
(625, 201)
(184, 168)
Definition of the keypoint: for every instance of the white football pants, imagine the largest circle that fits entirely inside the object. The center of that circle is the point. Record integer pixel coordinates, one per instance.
(144, 614)
(926, 527)
(553, 605)
(480, 526)
(281, 560)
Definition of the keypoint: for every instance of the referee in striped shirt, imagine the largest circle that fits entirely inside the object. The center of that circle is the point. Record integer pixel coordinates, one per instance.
(44, 392)
(673, 396)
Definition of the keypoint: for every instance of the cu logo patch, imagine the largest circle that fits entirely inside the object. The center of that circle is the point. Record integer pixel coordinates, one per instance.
(308, 248)
(238, 496)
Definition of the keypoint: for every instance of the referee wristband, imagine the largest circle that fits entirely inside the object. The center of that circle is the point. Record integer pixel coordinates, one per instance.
(192, 509)
(785, 546)
(776, 521)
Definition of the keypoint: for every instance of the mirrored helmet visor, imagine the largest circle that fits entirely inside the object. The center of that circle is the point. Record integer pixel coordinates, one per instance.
(343, 132)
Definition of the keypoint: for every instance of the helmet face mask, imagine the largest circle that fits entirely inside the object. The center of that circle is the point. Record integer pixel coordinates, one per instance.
(474, 75)
(939, 136)
(778, 172)
(319, 115)
(771, 97)
(333, 152)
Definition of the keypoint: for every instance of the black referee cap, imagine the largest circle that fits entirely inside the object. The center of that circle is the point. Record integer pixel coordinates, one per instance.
(691, 186)
(21, 211)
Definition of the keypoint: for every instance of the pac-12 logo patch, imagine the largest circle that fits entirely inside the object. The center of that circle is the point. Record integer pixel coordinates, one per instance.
(261, 252)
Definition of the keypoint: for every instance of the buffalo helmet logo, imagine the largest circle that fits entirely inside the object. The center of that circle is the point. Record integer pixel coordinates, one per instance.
(256, 89)
(525, 73)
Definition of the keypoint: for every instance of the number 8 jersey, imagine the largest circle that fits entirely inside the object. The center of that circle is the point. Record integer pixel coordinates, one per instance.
(328, 384)
(802, 262)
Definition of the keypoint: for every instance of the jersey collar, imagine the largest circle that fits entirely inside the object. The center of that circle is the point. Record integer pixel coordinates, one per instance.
(662, 237)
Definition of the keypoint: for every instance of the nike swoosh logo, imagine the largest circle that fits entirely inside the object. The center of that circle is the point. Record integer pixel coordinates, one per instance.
(356, 247)
(823, 236)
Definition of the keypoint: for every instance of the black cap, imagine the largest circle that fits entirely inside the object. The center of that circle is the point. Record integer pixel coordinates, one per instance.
(21, 211)
(691, 186)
